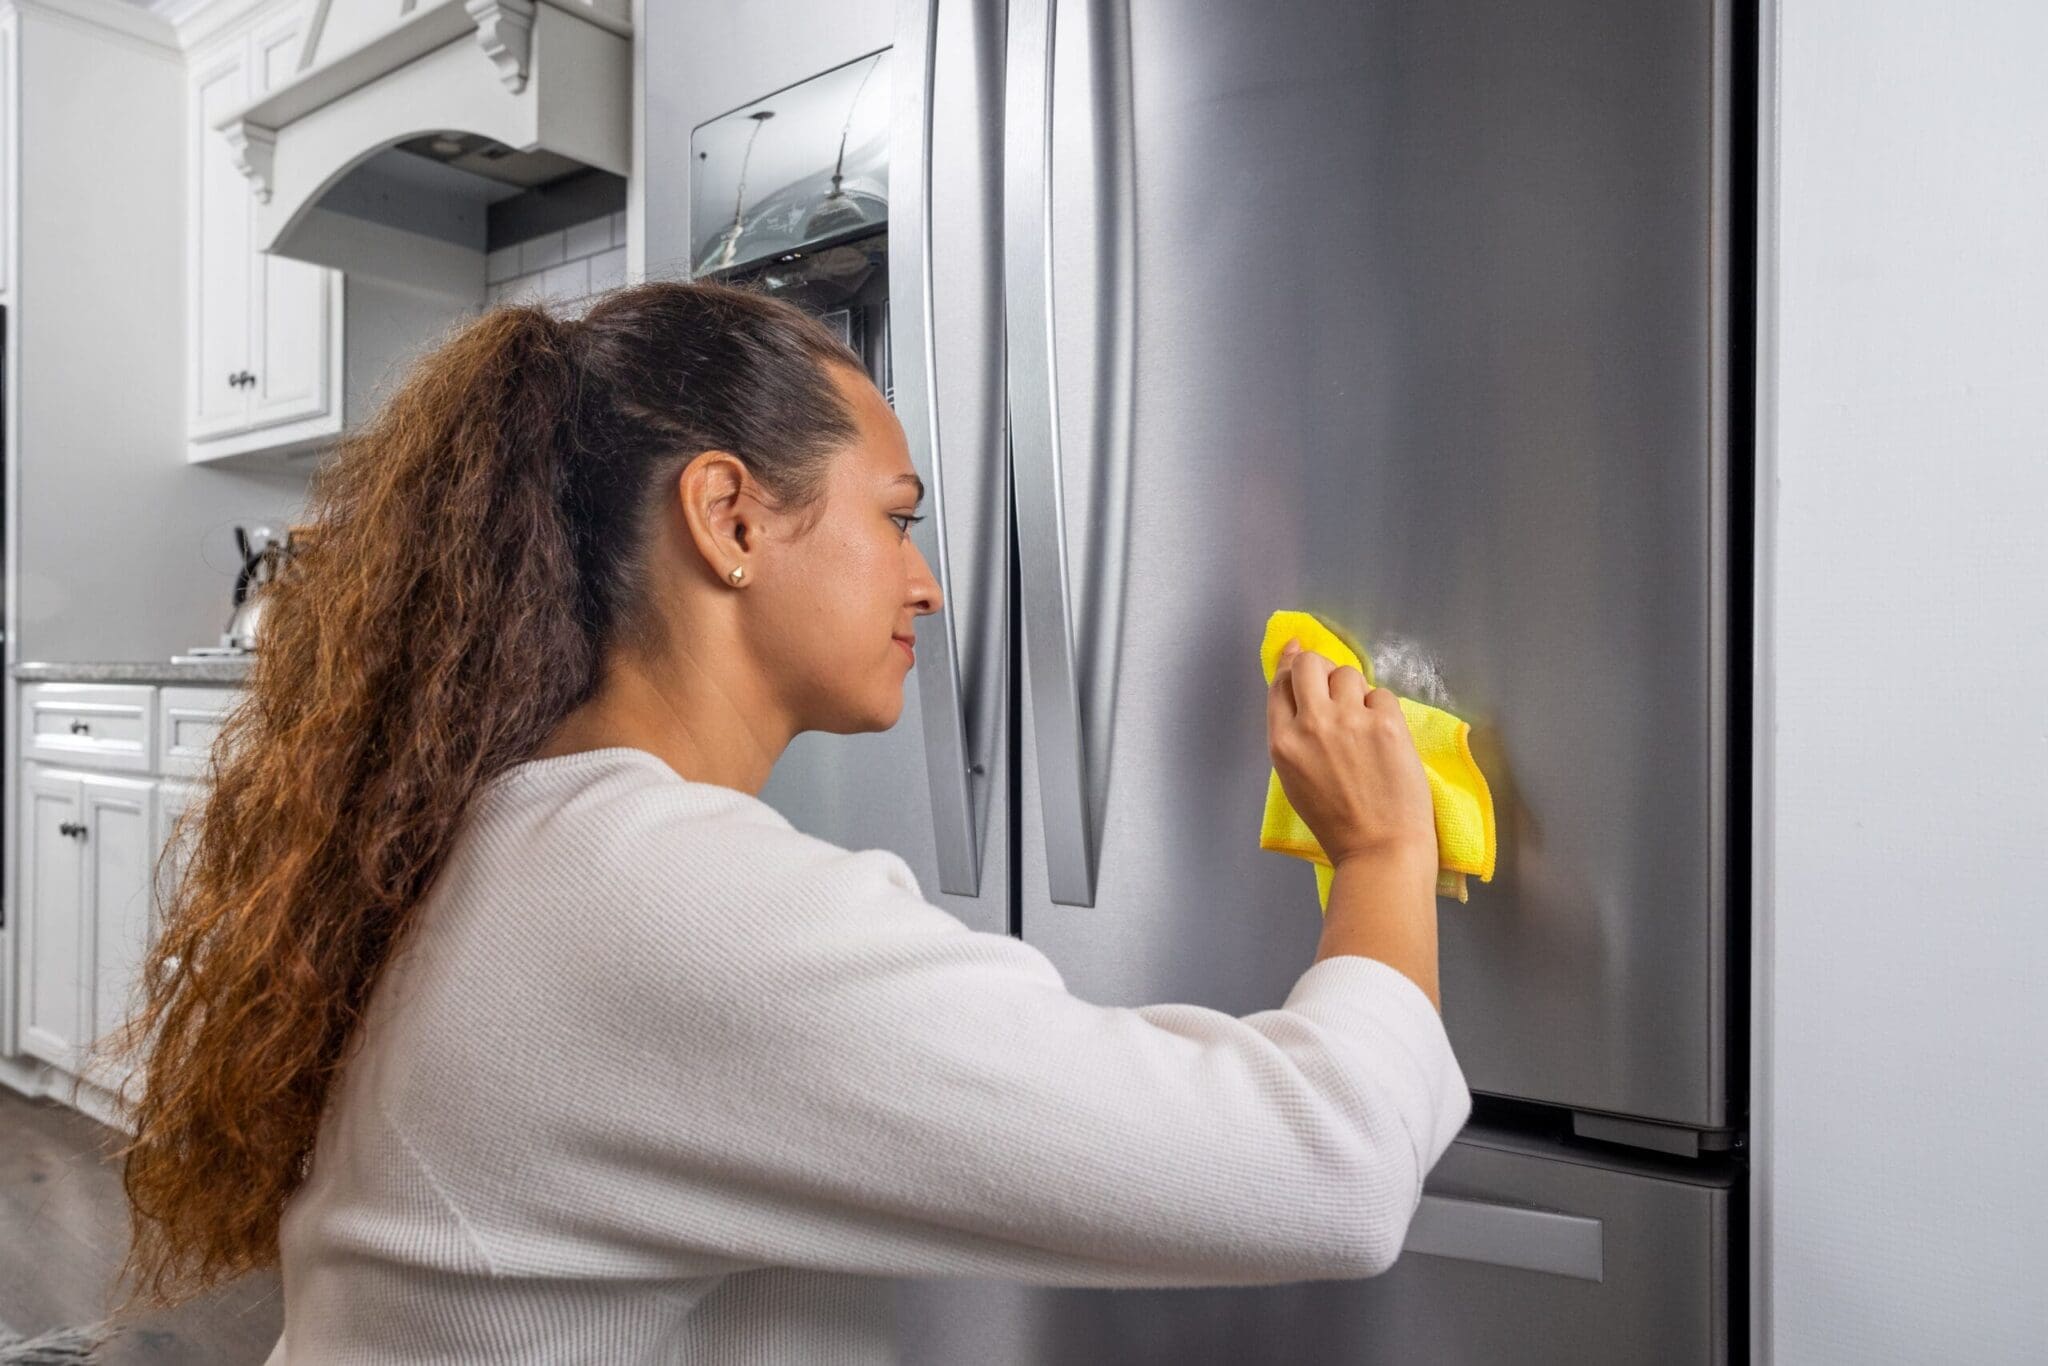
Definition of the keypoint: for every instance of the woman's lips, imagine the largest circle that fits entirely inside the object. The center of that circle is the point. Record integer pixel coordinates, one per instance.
(908, 648)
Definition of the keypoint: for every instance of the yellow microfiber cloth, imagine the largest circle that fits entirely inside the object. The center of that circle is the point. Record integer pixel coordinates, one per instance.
(1464, 805)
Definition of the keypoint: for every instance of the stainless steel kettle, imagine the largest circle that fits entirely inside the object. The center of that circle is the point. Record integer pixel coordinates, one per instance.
(262, 556)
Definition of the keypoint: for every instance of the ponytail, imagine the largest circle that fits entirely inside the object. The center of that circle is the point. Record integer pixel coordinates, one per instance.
(453, 605)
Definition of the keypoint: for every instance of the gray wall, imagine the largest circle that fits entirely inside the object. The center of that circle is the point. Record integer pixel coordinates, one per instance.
(126, 552)
(1905, 930)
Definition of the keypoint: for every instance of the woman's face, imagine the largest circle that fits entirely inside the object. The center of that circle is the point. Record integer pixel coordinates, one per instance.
(836, 607)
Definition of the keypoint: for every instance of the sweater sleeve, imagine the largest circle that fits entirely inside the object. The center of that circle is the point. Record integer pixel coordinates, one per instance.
(847, 1078)
(856, 1081)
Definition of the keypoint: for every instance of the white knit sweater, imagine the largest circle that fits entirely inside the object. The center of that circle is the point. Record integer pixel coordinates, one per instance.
(660, 1078)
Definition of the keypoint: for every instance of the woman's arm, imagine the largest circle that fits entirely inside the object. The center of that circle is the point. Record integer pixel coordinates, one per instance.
(809, 1065)
(1383, 906)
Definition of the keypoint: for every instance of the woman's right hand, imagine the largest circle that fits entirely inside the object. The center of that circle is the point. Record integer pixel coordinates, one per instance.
(1347, 762)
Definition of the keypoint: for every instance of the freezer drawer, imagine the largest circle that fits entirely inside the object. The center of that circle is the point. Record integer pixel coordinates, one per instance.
(1637, 1263)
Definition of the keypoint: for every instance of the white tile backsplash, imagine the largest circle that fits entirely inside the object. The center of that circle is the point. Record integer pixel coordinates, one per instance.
(609, 270)
(565, 282)
(517, 290)
(560, 267)
(501, 265)
(538, 253)
(587, 239)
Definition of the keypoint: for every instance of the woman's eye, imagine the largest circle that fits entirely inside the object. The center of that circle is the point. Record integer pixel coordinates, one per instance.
(905, 517)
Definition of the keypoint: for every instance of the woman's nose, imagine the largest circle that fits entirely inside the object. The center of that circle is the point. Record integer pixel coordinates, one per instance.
(924, 586)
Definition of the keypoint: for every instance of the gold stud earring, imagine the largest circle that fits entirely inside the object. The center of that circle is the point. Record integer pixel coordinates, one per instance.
(739, 571)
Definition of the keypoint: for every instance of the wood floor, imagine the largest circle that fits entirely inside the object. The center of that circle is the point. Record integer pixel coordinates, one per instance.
(63, 1230)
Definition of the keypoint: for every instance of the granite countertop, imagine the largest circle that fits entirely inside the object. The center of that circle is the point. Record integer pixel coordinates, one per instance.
(216, 671)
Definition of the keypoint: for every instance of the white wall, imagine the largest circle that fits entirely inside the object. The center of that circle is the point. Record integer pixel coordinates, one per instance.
(126, 552)
(1903, 949)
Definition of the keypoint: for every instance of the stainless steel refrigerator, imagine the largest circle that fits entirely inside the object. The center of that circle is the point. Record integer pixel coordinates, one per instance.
(1428, 318)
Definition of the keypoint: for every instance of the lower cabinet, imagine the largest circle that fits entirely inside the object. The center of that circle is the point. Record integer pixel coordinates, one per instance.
(91, 875)
(89, 847)
(172, 797)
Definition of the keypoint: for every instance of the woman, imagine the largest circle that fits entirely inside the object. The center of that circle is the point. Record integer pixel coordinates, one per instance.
(498, 1011)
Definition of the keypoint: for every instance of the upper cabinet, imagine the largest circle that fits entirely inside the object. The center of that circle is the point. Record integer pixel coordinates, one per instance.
(353, 164)
(266, 369)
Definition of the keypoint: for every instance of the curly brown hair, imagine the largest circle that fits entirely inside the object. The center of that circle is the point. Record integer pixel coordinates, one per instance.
(476, 550)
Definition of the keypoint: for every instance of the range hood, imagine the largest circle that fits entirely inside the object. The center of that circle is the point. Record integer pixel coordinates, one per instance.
(414, 136)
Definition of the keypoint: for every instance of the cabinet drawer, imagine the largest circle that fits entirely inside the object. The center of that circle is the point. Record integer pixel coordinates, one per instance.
(99, 725)
(187, 720)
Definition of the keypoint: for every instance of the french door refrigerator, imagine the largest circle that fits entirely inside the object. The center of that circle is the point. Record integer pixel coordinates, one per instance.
(1427, 318)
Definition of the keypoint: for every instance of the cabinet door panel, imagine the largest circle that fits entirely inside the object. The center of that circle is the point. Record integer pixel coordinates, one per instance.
(172, 799)
(119, 852)
(292, 318)
(290, 344)
(56, 955)
(221, 210)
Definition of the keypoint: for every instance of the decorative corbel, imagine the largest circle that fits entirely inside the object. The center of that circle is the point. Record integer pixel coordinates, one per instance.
(504, 29)
(255, 150)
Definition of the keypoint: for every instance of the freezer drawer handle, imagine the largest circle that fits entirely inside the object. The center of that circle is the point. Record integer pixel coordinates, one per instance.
(955, 827)
(1508, 1235)
(1070, 714)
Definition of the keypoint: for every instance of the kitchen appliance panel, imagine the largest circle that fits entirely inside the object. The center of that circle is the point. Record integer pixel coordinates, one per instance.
(877, 790)
(754, 50)
(1538, 1256)
(1426, 340)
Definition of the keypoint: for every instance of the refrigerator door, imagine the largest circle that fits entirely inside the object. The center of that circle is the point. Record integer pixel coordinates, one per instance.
(1514, 1257)
(1428, 339)
(933, 787)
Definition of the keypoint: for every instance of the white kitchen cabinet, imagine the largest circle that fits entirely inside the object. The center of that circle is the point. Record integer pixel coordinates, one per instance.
(89, 846)
(266, 332)
(188, 721)
(220, 253)
(91, 838)
(55, 946)
(90, 725)
(173, 798)
(120, 851)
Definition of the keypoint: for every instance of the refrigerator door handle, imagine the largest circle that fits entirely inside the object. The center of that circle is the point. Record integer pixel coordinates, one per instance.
(915, 393)
(1070, 715)
(1508, 1235)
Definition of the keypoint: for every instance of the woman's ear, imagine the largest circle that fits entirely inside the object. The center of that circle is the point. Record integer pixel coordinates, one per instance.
(714, 491)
